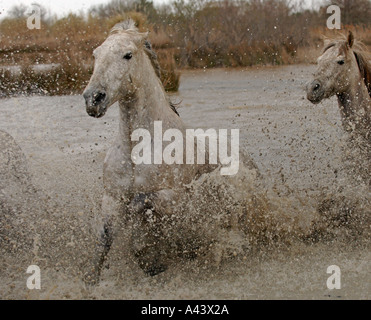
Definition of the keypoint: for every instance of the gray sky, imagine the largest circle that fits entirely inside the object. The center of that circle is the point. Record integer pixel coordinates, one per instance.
(59, 7)
(63, 7)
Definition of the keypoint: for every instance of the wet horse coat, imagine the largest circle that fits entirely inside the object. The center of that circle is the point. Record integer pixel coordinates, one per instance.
(126, 71)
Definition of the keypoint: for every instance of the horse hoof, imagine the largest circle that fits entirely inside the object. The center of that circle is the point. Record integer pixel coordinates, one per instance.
(154, 270)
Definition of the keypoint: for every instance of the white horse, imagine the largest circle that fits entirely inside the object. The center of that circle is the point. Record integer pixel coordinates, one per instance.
(343, 70)
(126, 70)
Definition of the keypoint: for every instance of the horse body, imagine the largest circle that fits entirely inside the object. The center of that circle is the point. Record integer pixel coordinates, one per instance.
(355, 109)
(344, 71)
(150, 105)
(124, 72)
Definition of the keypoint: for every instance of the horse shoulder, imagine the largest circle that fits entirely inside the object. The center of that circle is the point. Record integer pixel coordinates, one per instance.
(117, 170)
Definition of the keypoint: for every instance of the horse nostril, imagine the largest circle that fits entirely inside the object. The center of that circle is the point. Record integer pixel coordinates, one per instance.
(98, 97)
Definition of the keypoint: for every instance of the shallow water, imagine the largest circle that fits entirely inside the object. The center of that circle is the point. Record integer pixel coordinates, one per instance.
(298, 148)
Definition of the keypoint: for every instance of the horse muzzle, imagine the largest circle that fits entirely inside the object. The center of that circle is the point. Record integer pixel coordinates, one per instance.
(96, 103)
(315, 92)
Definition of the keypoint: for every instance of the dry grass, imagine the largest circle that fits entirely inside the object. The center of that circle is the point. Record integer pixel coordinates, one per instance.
(215, 34)
(309, 54)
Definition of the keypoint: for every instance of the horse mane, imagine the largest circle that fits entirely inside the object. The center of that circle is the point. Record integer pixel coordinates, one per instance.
(128, 26)
(365, 68)
(152, 57)
(124, 26)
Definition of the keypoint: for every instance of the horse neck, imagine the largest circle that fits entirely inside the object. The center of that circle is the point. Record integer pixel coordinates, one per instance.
(355, 108)
(150, 104)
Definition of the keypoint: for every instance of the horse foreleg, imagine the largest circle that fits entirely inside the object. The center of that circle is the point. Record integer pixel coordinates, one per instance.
(148, 241)
(111, 208)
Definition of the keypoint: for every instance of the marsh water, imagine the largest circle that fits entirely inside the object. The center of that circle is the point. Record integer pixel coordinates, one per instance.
(298, 148)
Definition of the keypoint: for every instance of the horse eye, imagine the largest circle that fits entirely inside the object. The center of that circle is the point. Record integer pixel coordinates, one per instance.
(341, 62)
(128, 56)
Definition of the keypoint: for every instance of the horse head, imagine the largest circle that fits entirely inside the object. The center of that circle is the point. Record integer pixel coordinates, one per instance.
(339, 68)
(117, 61)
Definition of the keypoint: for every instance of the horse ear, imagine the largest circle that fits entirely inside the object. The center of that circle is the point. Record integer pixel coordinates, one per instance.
(141, 37)
(145, 35)
(326, 40)
(350, 39)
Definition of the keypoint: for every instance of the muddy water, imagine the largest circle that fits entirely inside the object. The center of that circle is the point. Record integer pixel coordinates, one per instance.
(297, 147)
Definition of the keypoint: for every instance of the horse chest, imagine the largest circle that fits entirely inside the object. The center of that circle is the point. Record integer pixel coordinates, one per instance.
(117, 169)
(149, 177)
